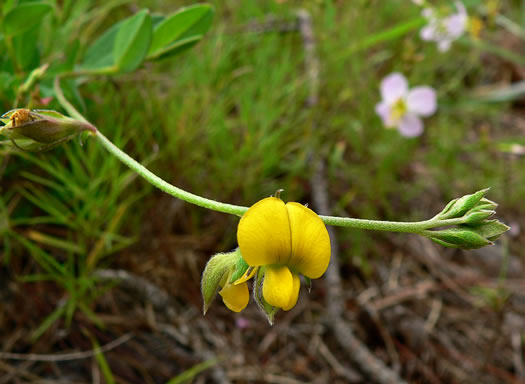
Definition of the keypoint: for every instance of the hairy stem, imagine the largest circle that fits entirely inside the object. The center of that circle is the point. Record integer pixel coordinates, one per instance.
(238, 210)
(165, 186)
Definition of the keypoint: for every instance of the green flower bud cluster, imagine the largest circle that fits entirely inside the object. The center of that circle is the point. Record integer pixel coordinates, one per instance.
(37, 130)
(474, 227)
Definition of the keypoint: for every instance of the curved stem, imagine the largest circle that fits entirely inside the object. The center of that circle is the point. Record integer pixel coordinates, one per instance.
(90, 72)
(376, 225)
(70, 108)
(165, 186)
(391, 226)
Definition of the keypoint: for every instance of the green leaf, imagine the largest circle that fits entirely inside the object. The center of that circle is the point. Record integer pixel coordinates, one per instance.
(90, 315)
(176, 48)
(24, 16)
(102, 362)
(26, 51)
(188, 24)
(48, 321)
(100, 53)
(390, 34)
(132, 41)
(57, 242)
(8, 5)
(189, 375)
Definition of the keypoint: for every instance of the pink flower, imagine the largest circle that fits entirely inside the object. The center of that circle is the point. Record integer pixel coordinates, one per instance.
(444, 29)
(402, 108)
(46, 100)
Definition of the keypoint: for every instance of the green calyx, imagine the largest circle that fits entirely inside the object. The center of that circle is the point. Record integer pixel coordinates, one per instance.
(268, 310)
(36, 130)
(219, 271)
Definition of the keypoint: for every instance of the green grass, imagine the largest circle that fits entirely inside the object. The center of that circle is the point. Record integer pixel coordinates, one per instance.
(227, 120)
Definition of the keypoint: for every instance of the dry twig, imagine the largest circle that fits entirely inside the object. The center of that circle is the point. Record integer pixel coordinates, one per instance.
(66, 356)
(371, 365)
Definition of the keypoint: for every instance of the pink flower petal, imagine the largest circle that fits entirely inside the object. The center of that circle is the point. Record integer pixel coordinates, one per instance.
(422, 101)
(410, 126)
(428, 33)
(444, 45)
(455, 25)
(384, 112)
(393, 87)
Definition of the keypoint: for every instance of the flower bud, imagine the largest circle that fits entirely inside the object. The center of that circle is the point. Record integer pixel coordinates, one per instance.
(226, 270)
(461, 237)
(469, 236)
(458, 207)
(215, 274)
(487, 204)
(475, 216)
(489, 229)
(40, 129)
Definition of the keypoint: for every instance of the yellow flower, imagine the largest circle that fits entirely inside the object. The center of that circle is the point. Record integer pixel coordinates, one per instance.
(235, 296)
(288, 240)
(220, 272)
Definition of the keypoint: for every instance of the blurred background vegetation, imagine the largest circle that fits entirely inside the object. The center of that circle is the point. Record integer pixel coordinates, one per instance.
(227, 120)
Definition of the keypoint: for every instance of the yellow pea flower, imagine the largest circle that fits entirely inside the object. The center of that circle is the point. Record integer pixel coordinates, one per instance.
(235, 296)
(288, 240)
(218, 275)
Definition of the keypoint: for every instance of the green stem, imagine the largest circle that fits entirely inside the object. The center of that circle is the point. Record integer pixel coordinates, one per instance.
(11, 52)
(391, 226)
(90, 72)
(164, 185)
(376, 225)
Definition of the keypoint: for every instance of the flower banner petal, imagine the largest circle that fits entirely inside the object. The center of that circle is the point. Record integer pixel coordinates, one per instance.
(278, 286)
(264, 233)
(310, 241)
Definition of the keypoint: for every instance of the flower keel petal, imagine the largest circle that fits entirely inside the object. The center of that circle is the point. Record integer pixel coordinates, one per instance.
(278, 286)
(235, 296)
(295, 292)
